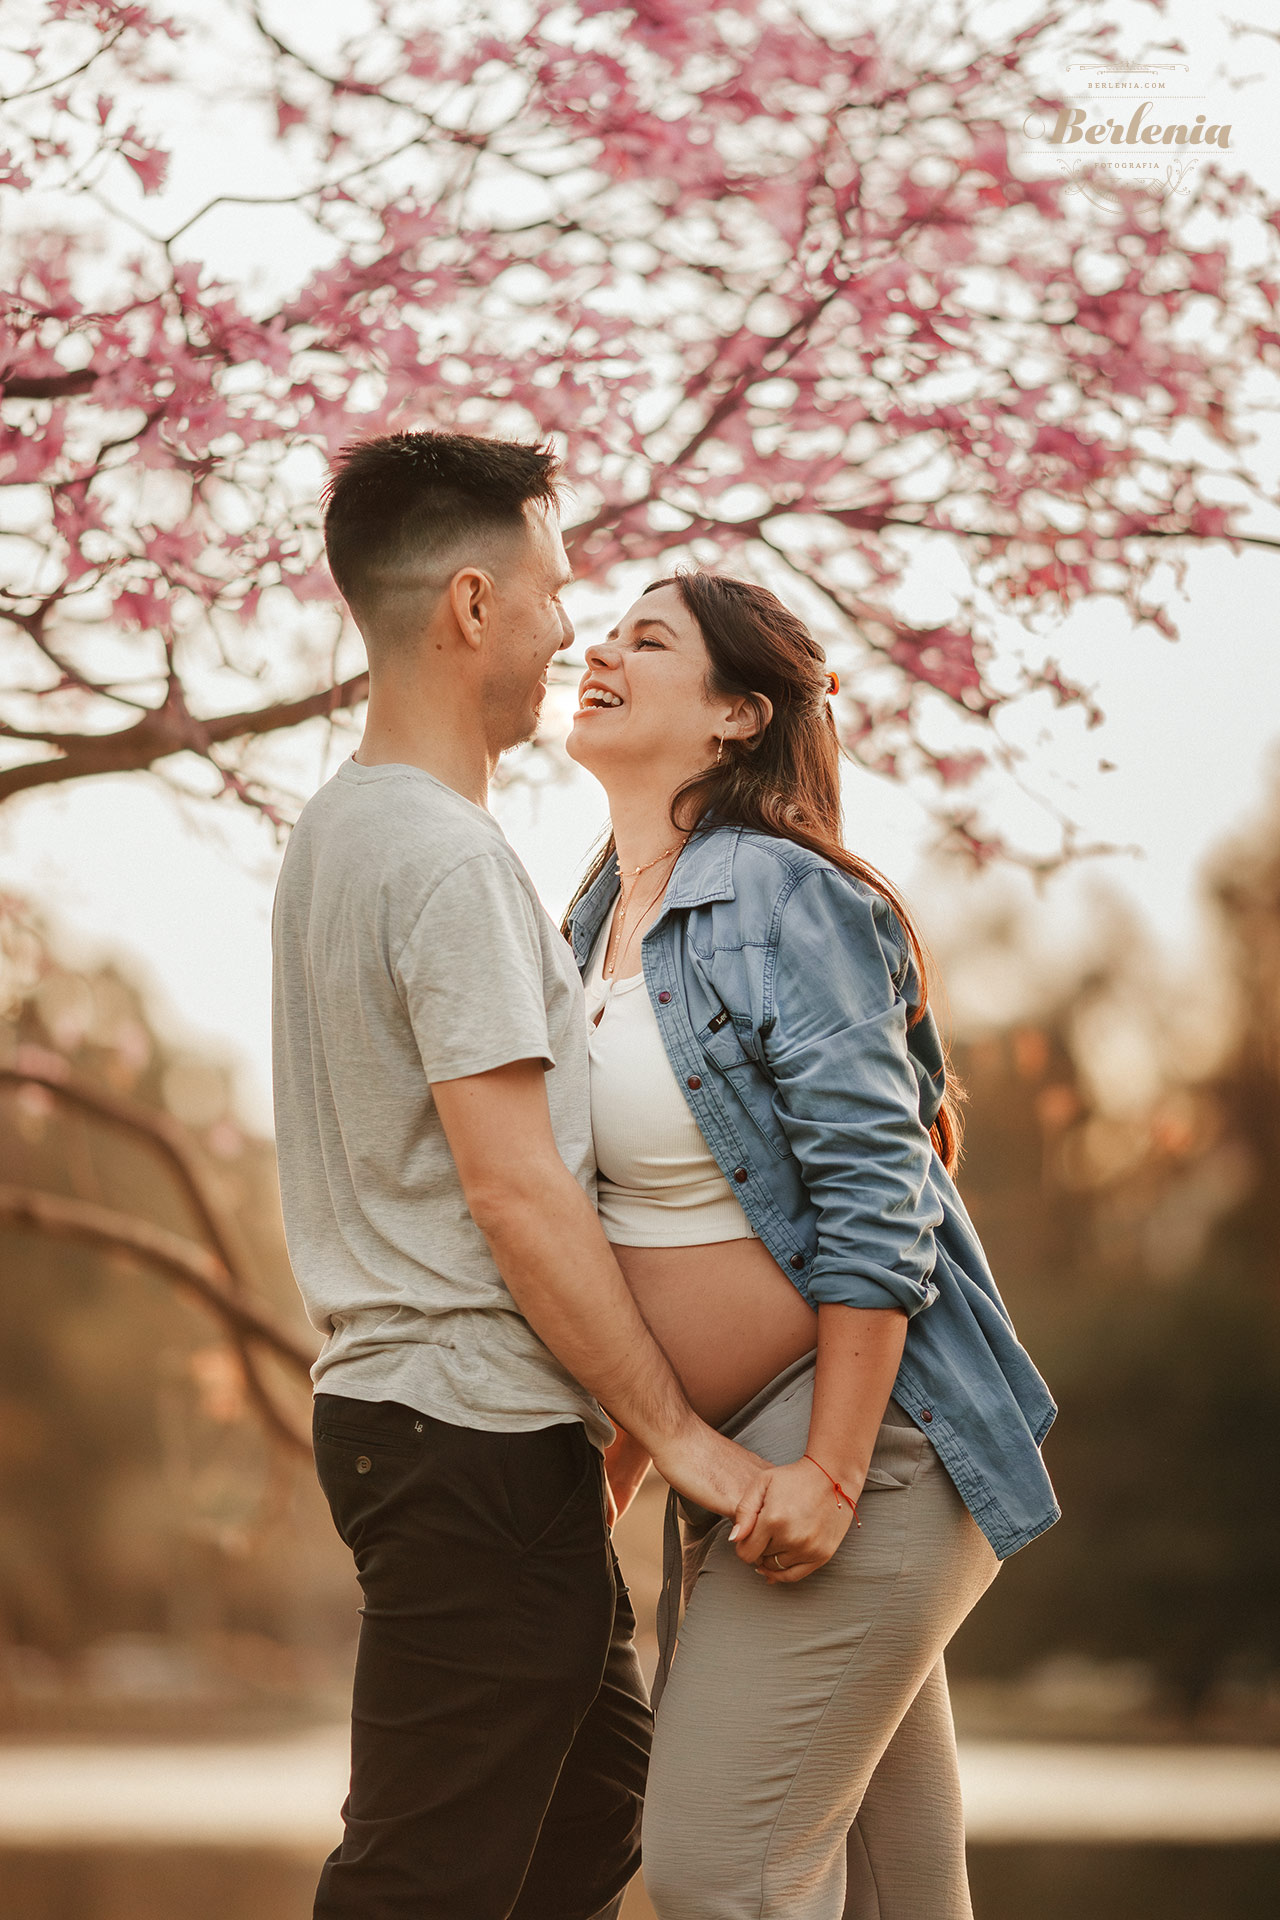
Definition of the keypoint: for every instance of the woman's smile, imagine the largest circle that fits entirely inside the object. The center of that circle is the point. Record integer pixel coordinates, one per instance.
(596, 697)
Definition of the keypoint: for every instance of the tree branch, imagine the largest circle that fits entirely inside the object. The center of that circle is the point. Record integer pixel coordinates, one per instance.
(158, 1128)
(171, 729)
(183, 1261)
(289, 713)
(165, 1134)
(46, 386)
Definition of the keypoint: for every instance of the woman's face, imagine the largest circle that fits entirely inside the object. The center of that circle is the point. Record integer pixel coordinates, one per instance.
(642, 702)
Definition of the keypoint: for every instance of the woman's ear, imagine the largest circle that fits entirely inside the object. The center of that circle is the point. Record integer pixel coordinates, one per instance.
(749, 715)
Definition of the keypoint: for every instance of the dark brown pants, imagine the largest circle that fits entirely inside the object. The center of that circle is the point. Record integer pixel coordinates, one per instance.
(500, 1725)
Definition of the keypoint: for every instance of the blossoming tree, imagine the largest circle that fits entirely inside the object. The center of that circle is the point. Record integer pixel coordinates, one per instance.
(789, 294)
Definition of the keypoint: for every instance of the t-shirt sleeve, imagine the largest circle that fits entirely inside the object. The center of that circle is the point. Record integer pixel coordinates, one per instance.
(470, 973)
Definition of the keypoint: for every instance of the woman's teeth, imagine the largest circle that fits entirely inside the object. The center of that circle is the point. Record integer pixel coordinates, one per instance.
(595, 697)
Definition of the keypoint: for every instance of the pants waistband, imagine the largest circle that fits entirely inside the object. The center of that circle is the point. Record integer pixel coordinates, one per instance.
(701, 1521)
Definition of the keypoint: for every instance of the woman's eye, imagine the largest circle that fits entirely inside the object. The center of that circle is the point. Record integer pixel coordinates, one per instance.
(648, 643)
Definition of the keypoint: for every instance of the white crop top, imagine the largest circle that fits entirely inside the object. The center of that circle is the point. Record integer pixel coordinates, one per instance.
(658, 1183)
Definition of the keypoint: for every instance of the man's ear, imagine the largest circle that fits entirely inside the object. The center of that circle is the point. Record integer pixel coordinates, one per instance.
(749, 715)
(471, 596)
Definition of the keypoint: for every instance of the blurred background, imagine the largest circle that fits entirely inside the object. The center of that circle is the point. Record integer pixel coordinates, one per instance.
(168, 1568)
(1099, 883)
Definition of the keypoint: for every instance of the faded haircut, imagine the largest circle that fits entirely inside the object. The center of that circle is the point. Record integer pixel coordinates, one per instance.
(406, 510)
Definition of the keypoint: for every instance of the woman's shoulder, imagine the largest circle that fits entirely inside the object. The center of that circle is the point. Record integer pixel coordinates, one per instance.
(788, 895)
(778, 864)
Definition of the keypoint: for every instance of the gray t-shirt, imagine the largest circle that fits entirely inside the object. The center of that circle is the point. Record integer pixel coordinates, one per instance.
(410, 946)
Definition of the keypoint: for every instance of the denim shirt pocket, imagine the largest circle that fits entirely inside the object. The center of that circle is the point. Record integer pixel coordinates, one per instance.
(722, 1042)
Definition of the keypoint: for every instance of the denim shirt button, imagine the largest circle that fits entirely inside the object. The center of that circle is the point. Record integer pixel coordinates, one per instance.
(797, 1261)
(664, 996)
(739, 1174)
(693, 1081)
(926, 1414)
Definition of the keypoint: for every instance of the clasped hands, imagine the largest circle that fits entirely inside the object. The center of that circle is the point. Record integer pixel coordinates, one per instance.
(799, 1525)
(798, 1528)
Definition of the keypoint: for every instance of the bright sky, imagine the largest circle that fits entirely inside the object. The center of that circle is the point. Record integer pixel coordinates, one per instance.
(182, 895)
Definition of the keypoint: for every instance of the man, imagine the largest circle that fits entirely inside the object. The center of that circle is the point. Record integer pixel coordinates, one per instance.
(435, 1163)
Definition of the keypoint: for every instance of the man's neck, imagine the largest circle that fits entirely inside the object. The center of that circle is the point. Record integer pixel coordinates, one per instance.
(443, 745)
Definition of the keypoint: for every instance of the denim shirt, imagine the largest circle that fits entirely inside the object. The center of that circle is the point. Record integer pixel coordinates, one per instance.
(782, 989)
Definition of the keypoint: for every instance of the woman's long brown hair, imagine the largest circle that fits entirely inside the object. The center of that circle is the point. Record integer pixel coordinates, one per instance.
(785, 782)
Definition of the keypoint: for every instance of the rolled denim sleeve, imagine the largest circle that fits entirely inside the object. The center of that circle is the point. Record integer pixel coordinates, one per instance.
(847, 1096)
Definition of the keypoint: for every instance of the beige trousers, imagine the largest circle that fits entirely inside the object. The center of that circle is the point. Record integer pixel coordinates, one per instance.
(804, 1760)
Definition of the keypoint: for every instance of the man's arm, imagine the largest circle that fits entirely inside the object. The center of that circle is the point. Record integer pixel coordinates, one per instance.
(549, 1248)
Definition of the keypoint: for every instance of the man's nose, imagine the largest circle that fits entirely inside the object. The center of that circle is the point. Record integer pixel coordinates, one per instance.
(566, 630)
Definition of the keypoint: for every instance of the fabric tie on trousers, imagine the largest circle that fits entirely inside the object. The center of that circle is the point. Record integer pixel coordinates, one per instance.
(676, 1577)
(669, 1598)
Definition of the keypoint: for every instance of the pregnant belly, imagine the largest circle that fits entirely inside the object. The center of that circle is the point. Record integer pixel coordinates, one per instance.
(726, 1317)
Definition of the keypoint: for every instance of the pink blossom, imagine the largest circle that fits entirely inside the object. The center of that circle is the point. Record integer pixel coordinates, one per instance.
(723, 160)
(288, 114)
(12, 173)
(151, 164)
(142, 606)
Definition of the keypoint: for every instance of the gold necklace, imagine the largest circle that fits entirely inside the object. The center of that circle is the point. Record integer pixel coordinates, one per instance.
(637, 871)
(624, 907)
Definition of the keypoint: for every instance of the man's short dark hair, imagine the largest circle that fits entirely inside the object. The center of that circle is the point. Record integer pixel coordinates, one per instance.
(405, 504)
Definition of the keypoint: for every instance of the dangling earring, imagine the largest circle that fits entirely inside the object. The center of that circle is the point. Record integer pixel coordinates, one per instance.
(719, 748)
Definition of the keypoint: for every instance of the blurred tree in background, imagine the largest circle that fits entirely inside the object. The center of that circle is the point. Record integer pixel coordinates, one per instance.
(789, 307)
(161, 1545)
(143, 1504)
(1138, 1253)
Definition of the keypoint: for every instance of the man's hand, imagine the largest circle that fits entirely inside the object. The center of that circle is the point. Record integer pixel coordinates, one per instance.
(715, 1473)
(799, 1527)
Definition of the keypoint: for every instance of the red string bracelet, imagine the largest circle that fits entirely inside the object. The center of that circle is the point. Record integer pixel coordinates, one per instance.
(840, 1492)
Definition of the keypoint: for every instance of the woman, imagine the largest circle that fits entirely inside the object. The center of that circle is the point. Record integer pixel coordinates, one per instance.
(775, 1140)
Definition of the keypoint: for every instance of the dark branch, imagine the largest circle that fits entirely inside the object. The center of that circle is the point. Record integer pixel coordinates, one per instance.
(46, 386)
(156, 1127)
(160, 1131)
(171, 729)
(190, 1266)
(289, 713)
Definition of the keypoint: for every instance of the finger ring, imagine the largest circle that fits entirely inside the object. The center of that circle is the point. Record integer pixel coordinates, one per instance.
(777, 1563)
